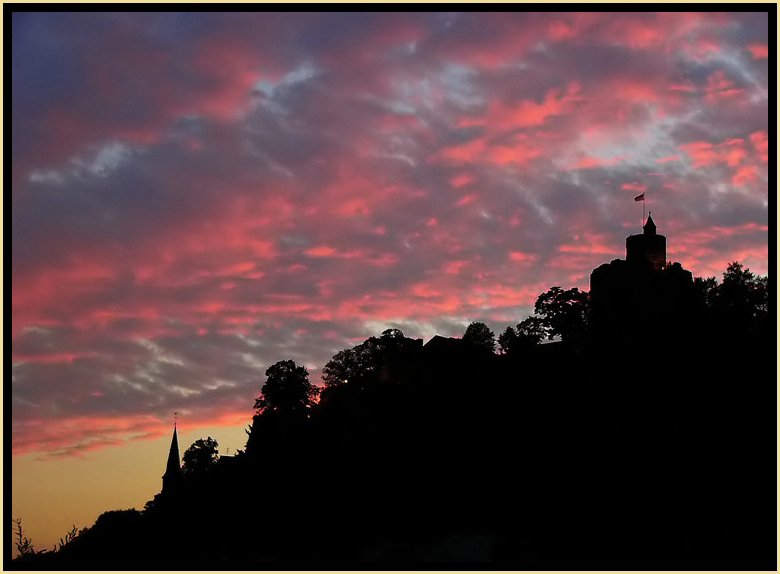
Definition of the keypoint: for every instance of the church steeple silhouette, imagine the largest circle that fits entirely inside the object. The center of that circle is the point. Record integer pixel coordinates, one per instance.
(172, 476)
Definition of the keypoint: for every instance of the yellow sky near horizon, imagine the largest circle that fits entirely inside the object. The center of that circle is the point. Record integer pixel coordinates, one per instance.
(51, 495)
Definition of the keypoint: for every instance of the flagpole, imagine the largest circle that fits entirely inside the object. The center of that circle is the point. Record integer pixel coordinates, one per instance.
(641, 197)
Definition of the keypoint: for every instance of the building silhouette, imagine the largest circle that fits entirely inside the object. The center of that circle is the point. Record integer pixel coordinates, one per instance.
(172, 477)
(647, 248)
(642, 298)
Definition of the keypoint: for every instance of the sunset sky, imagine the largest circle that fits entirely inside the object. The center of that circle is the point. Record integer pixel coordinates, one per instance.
(197, 196)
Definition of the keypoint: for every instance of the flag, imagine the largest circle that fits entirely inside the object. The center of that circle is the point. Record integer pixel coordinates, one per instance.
(640, 197)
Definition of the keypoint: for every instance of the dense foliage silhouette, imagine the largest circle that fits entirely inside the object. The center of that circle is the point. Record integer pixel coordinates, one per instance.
(639, 439)
(287, 389)
(562, 313)
(480, 336)
(200, 457)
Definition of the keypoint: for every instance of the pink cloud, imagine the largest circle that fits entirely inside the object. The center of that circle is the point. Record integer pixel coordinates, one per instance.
(50, 357)
(522, 257)
(701, 48)
(733, 153)
(561, 30)
(497, 295)
(634, 186)
(454, 267)
(759, 51)
(592, 243)
(530, 113)
(320, 251)
(743, 175)
(584, 161)
(459, 154)
(76, 435)
(730, 152)
(761, 144)
(461, 180)
(720, 87)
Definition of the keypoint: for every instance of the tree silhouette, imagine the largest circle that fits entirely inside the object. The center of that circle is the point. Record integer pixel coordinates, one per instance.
(390, 334)
(24, 545)
(358, 365)
(530, 331)
(70, 536)
(200, 456)
(507, 341)
(352, 365)
(742, 299)
(479, 336)
(287, 389)
(563, 313)
(705, 289)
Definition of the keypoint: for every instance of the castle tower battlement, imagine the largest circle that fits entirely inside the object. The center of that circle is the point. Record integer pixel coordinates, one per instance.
(648, 248)
(640, 297)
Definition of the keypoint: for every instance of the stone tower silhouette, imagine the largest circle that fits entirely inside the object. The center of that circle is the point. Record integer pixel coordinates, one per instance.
(172, 477)
(647, 248)
(641, 298)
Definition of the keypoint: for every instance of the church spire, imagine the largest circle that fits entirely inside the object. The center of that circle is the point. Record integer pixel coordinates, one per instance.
(172, 474)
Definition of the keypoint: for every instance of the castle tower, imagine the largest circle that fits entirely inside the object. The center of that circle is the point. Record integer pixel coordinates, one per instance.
(641, 299)
(172, 476)
(649, 248)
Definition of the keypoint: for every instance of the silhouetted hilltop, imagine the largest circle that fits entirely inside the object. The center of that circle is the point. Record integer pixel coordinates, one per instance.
(641, 440)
